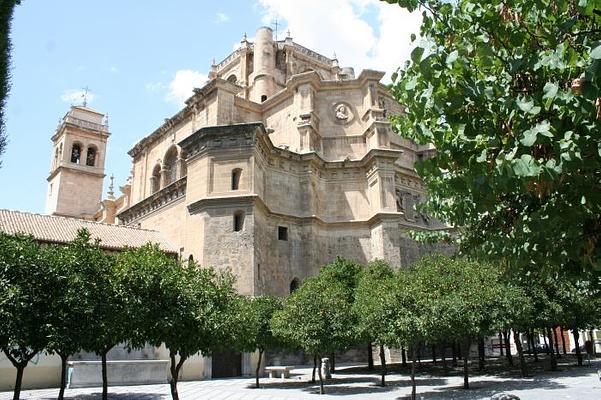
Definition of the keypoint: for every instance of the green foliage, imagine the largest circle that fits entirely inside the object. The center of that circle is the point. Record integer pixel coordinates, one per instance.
(506, 92)
(185, 307)
(81, 297)
(375, 316)
(344, 271)
(317, 317)
(459, 298)
(6, 13)
(258, 312)
(25, 297)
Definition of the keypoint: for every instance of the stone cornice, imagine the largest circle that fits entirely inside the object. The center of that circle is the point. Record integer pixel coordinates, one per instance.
(76, 168)
(195, 103)
(166, 196)
(221, 137)
(256, 201)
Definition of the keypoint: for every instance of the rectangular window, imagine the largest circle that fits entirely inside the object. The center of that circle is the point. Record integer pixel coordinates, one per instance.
(282, 233)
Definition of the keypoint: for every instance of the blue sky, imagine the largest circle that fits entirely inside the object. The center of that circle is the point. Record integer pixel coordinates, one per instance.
(140, 59)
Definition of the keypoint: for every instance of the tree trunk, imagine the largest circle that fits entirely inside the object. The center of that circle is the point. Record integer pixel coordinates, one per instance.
(563, 340)
(454, 354)
(590, 332)
(20, 366)
(173, 380)
(445, 367)
(534, 349)
(552, 352)
(258, 370)
(383, 363)
(501, 344)
(466, 356)
(413, 388)
(577, 344)
(556, 342)
(419, 354)
(529, 341)
(321, 388)
(459, 352)
(314, 367)
(518, 345)
(105, 388)
(370, 357)
(403, 356)
(480, 353)
(19, 381)
(175, 368)
(507, 348)
(434, 354)
(61, 393)
(333, 363)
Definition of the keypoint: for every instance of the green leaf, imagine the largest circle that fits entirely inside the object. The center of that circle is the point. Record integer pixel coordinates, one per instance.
(529, 137)
(411, 83)
(416, 54)
(526, 166)
(452, 57)
(550, 90)
(596, 52)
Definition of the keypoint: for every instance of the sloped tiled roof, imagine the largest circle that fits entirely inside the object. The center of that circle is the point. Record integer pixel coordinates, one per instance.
(53, 229)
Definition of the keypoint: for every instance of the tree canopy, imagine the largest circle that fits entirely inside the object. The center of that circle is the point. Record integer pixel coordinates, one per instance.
(508, 94)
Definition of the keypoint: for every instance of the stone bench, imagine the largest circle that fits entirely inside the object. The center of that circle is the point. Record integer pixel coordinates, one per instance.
(282, 369)
(121, 372)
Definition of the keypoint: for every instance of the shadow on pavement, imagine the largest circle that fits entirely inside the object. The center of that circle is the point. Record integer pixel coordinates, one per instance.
(484, 389)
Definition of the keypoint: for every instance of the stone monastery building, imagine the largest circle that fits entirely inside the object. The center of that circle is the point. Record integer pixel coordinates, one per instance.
(281, 162)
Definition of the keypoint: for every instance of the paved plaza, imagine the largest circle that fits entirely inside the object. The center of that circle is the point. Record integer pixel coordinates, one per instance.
(355, 383)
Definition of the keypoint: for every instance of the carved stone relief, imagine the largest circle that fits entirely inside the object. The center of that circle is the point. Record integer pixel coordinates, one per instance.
(342, 113)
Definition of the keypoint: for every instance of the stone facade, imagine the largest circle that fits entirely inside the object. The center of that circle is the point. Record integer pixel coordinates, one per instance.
(281, 162)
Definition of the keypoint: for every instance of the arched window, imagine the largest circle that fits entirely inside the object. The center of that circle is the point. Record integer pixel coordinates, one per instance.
(236, 173)
(155, 179)
(76, 153)
(190, 259)
(238, 221)
(294, 285)
(170, 165)
(55, 162)
(232, 79)
(91, 156)
(263, 98)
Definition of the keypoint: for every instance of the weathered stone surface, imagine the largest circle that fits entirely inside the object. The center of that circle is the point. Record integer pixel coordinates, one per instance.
(123, 372)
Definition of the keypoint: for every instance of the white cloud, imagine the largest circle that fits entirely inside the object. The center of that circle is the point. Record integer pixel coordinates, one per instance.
(222, 17)
(184, 81)
(113, 69)
(73, 96)
(346, 26)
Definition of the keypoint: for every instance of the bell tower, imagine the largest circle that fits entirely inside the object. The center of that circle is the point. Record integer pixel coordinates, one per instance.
(77, 169)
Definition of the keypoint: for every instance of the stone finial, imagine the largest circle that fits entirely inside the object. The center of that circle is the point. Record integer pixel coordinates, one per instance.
(244, 38)
(288, 34)
(111, 193)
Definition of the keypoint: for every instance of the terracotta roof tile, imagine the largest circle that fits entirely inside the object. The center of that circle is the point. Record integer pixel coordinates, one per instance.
(48, 228)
